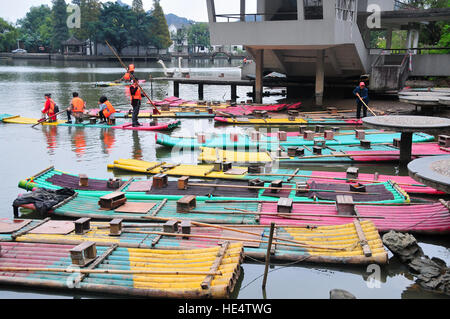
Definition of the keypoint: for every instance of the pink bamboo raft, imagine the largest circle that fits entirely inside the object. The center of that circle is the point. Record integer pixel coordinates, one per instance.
(426, 218)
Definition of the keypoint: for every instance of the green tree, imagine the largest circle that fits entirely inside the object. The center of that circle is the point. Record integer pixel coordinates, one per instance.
(198, 36)
(35, 29)
(115, 25)
(90, 14)
(179, 37)
(137, 6)
(160, 36)
(60, 29)
(8, 36)
(139, 29)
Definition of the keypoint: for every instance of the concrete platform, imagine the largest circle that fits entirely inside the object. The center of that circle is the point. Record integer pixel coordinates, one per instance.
(433, 171)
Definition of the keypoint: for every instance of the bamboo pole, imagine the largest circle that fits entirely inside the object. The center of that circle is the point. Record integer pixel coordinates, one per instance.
(373, 113)
(300, 214)
(288, 216)
(294, 244)
(132, 75)
(311, 202)
(335, 178)
(269, 247)
(111, 271)
(278, 188)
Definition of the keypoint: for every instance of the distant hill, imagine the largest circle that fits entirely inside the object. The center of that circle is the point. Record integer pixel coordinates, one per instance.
(177, 21)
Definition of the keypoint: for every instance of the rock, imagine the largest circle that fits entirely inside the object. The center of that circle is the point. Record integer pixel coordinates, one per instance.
(426, 267)
(403, 245)
(341, 294)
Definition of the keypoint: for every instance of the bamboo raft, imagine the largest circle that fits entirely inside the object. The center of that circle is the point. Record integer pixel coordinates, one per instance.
(344, 154)
(198, 273)
(230, 141)
(52, 178)
(329, 244)
(287, 121)
(385, 192)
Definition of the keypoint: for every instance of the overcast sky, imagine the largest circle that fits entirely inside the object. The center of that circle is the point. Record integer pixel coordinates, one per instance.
(191, 9)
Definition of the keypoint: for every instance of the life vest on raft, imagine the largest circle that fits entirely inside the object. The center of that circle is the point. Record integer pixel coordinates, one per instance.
(77, 105)
(109, 109)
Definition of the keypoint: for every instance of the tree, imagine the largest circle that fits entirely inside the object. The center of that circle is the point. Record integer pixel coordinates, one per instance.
(159, 28)
(139, 29)
(60, 29)
(115, 25)
(137, 6)
(35, 29)
(198, 36)
(8, 36)
(90, 14)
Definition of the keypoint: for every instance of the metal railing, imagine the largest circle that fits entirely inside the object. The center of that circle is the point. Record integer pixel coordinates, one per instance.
(415, 50)
(256, 16)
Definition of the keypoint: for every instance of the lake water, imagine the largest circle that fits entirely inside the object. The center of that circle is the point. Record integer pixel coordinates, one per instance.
(28, 151)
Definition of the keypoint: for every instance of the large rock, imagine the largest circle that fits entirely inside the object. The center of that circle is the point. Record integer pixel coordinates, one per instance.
(341, 294)
(402, 245)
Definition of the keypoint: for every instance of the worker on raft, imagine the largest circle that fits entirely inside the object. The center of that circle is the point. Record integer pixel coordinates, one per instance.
(77, 109)
(362, 95)
(107, 111)
(136, 100)
(50, 108)
(129, 75)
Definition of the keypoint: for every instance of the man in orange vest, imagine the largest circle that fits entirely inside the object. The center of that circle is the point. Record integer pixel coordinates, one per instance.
(128, 76)
(50, 108)
(107, 111)
(136, 99)
(77, 108)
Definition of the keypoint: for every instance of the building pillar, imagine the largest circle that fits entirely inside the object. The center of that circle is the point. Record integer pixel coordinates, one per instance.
(243, 10)
(259, 61)
(300, 10)
(200, 92)
(320, 76)
(211, 10)
(389, 38)
(176, 89)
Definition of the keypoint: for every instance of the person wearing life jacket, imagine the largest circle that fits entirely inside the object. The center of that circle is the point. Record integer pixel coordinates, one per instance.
(131, 68)
(77, 108)
(107, 111)
(128, 77)
(136, 100)
(50, 108)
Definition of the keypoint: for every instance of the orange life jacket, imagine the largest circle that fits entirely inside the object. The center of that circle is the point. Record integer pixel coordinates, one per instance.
(109, 109)
(77, 105)
(127, 76)
(137, 95)
(131, 68)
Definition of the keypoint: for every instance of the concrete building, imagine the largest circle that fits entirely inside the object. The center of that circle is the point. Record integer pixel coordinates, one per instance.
(322, 41)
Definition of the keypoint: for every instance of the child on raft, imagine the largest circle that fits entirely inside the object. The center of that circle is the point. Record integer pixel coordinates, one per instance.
(107, 111)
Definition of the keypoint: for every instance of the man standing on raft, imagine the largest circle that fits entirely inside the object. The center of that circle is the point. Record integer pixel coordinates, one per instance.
(136, 99)
(362, 96)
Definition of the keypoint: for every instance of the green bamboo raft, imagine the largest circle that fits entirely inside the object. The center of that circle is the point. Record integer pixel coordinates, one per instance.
(195, 273)
(335, 244)
(383, 192)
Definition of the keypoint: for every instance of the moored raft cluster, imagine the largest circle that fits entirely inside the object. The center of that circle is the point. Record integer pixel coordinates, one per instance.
(185, 232)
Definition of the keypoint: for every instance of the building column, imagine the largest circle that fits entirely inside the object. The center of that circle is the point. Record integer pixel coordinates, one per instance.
(243, 10)
(300, 10)
(320, 76)
(259, 61)
(389, 38)
(211, 10)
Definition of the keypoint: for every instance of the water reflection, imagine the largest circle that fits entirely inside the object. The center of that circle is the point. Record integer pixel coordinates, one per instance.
(107, 136)
(79, 142)
(137, 148)
(51, 134)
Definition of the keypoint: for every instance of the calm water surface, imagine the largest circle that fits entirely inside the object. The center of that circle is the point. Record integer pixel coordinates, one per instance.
(27, 151)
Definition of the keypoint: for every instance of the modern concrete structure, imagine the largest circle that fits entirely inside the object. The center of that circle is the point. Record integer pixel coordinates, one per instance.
(320, 41)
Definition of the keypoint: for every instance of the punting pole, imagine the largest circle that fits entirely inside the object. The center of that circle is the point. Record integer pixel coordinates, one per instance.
(269, 247)
(132, 75)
